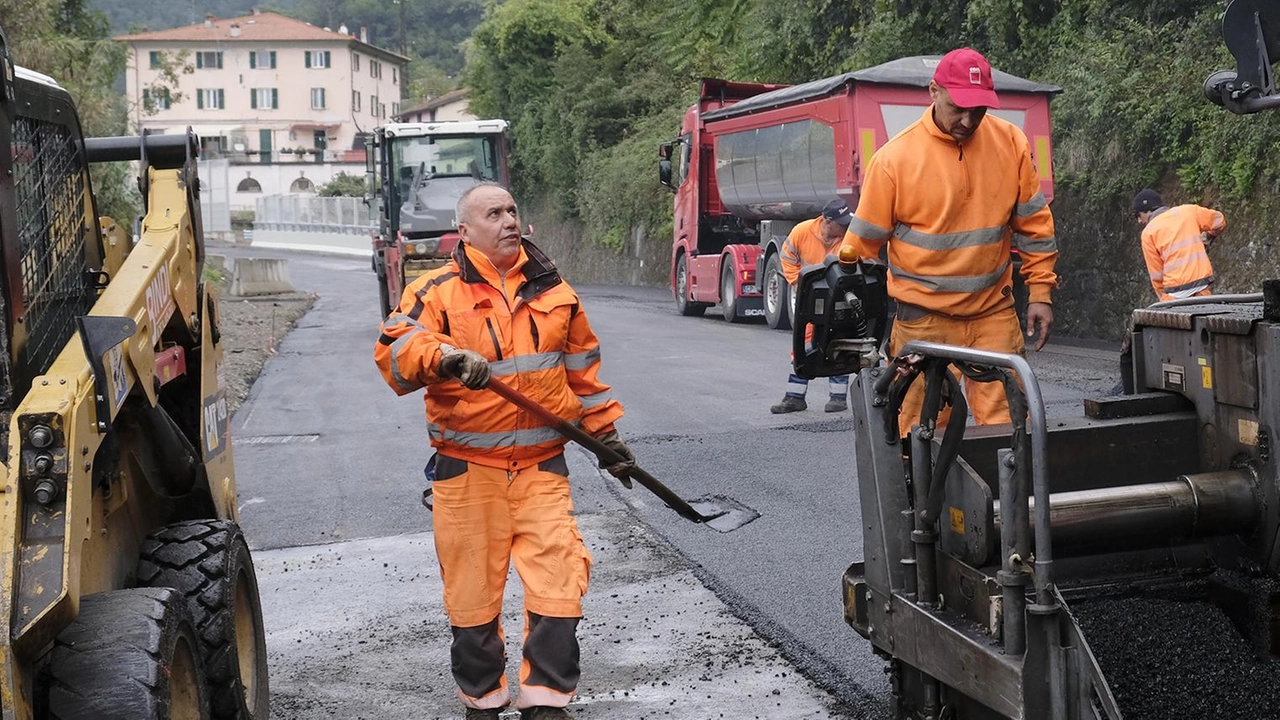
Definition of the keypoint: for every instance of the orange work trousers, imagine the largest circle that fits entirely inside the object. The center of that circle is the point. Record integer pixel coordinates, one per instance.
(997, 332)
(485, 518)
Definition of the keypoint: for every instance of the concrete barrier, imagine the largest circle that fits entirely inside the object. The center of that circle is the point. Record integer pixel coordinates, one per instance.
(260, 276)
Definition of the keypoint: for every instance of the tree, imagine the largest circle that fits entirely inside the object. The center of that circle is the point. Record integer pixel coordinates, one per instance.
(343, 185)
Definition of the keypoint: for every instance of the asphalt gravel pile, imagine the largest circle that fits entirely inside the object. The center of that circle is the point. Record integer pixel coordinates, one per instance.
(1178, 655)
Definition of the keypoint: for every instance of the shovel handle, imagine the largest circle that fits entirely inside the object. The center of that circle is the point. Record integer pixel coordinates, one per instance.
(599, 449)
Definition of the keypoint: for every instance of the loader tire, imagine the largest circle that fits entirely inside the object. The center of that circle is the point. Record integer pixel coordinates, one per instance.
(208, 562)
(130, 655)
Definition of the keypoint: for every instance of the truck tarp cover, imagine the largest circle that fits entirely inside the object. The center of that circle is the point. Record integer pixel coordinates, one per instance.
(912, 72)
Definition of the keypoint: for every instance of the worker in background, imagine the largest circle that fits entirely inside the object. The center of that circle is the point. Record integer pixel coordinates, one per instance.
(950, 195)
(809, 243)
(1173, 243)
(499, 308)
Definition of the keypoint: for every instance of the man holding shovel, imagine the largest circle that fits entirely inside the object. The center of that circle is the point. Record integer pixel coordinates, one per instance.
(501, 492)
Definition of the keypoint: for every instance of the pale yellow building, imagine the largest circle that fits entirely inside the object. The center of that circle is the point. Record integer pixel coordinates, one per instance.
(449, 106)
(265, 88)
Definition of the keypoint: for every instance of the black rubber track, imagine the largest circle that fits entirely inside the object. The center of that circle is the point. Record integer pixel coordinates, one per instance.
(201, 559)
(113, 662)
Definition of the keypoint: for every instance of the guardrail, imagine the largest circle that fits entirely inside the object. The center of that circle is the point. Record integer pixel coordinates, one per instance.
(317, 224)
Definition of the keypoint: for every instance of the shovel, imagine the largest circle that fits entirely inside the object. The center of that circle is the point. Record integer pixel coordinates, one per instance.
(717, 512)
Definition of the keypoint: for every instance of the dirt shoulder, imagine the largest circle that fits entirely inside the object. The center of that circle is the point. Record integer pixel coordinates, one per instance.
(252, 328)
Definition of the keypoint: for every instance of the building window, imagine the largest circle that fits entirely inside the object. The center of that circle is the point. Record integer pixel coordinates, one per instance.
(355, 62)
(153, 100)
(375, 69)
(318, 59)
(211, 99)
(210, 59)
(395, 109)
(264, 99)
(302, 185)
(249, 185)
(373, 105)
(317, 98)
(355, 101)
(395, 76)
(265, 59)
(156, 60)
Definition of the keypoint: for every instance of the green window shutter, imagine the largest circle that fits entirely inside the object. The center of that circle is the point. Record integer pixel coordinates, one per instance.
(253, 60)
(146, 98)
(327, 61)
(199, 99)
(323, 103)
(222, 100)
(308, 56)
(219, 59)
(253, 99)
(273, 59)
(199, 61)
(275, 99)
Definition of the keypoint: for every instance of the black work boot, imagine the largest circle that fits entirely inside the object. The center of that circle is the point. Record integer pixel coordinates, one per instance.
(836, 404)
(790, 403)
(489, 714)
(542, 712)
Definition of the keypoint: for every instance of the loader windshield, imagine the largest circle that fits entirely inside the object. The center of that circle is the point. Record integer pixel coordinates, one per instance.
(417, 160)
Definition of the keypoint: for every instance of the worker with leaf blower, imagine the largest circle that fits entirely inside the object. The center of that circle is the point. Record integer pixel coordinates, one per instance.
(500, 309)
(951, 195)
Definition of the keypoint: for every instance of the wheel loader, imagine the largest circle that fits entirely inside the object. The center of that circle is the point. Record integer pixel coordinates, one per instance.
(126, 585)
(1120, 564)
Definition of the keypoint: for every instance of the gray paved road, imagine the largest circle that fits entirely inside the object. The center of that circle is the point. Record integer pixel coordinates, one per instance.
(697, 393)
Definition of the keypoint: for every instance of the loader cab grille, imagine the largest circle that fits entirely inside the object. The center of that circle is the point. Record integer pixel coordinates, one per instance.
(50, 203)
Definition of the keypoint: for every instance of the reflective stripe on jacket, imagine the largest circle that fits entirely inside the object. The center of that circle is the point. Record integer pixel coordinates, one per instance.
(1176, 257)
(804, 246)
(536, 337)
(954, 212)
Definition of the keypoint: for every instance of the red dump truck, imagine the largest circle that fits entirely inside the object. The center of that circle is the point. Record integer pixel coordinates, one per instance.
(752, 160)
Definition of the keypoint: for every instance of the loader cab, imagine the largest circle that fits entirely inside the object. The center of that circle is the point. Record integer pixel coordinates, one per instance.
(50, 247)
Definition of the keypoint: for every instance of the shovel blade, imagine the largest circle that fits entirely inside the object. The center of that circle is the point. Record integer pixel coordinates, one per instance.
(726, 514)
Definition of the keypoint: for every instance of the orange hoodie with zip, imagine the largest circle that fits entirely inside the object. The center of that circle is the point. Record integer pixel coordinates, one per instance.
(951, 213)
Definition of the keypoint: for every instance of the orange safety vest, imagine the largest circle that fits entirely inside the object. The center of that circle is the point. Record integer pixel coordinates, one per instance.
(804, 246)
(953, 213)
(536, 338)
(1176, 258)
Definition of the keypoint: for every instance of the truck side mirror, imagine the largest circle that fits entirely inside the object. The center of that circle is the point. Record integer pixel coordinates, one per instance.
(664, 165)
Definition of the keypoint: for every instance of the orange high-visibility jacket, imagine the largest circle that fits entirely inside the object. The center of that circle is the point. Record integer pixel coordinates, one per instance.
(1175, 254)
(804, 246)
(953, 212)
(536, 338)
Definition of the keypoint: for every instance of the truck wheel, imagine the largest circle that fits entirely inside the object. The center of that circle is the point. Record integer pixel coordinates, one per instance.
(728, 295)
(683, 304)
(130, 655)
(777, 295)
(208, 562)
(384, 296)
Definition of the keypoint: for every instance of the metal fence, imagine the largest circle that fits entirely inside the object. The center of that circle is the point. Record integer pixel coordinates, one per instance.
(301, 213)
(215, 196)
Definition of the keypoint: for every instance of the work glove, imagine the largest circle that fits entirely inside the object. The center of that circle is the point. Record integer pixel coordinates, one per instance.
(619, 470)
(467, 366)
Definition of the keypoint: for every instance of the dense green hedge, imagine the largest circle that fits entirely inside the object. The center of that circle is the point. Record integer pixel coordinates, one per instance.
(592, 87)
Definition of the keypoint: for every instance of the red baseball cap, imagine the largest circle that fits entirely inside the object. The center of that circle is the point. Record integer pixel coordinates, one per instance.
(967, 77)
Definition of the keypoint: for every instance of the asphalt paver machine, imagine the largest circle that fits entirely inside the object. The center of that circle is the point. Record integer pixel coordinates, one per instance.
(1120, 564)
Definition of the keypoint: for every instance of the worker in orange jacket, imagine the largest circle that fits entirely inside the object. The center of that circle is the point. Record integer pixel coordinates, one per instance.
(809, 243)
(1173, 244)
(951, 195)
(501, 493)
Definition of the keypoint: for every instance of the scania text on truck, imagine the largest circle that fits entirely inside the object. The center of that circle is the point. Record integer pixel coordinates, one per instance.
(752, 160)
(417, 172)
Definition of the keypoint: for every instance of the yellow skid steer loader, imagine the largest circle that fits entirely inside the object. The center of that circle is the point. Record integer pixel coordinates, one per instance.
(126, 585)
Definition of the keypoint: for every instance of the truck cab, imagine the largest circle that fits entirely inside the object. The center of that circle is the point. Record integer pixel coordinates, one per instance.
(753, 160)
(417, 172)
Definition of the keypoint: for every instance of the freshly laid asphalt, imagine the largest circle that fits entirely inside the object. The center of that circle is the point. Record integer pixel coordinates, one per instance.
(329, 465)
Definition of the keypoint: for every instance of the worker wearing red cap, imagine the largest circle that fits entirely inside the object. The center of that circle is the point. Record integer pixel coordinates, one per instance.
(952, 195)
